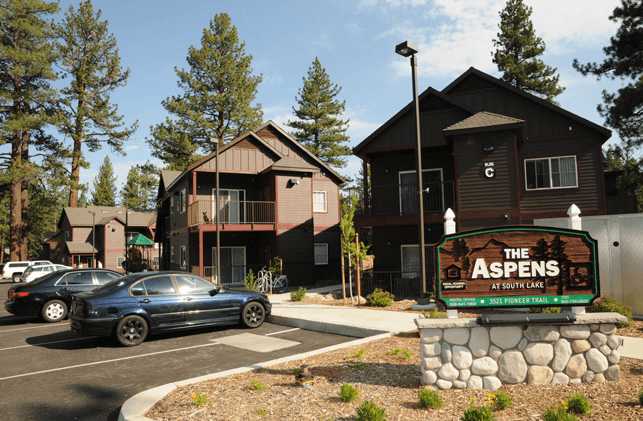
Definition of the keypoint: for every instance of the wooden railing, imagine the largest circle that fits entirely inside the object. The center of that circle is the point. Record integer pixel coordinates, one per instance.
(231, 212)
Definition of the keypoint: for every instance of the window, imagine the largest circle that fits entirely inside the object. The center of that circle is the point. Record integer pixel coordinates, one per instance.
(159, 285)
(182, 201)
(105, 277)
(77, 278)
(18, 265)
(432, 178)
(137, 289)
(551, 173)
(192, 285)
(183, 257)
(320, 204)
(410, 260)
(321, 254)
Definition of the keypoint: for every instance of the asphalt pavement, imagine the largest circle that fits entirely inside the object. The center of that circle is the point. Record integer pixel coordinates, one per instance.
(48, 373)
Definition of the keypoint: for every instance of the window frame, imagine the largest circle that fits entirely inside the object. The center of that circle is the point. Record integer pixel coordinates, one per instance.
(315, 254)
(325, 193)
(551, 179)
(172, 281)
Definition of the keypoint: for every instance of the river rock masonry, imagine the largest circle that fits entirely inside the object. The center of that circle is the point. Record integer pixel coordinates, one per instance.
(461, 353)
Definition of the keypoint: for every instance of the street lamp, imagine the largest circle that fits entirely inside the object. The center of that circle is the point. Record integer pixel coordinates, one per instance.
(407, 50)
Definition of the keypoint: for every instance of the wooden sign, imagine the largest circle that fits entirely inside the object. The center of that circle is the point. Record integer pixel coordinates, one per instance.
(517, 266)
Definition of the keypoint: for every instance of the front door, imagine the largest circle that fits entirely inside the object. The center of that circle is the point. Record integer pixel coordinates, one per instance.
(233, 264)
(202, 307)
(158, 296)
(230, 205)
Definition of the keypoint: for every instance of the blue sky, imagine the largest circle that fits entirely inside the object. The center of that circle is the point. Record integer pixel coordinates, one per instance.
(354, 41)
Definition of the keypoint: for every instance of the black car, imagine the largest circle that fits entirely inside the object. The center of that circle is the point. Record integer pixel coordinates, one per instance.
(135, 306)
(49, 297)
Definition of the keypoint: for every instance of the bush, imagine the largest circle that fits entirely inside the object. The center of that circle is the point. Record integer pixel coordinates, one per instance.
(369, 411)
(641, 398)
(611, 305)
(548, 310)
(478, 413)
(250, 281)
(578, 404)
(435, 314)
(380, 298)
(402, 353)
(429, 398)
(199, 399)
(501, 400)
(348, 393)
(558, 413)
(298, 294)
(257, 386)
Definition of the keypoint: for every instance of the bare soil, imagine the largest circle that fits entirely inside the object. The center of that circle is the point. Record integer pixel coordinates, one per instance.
(387, 373)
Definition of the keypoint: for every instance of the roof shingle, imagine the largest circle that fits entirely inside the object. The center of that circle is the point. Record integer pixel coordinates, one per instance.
(483, 119)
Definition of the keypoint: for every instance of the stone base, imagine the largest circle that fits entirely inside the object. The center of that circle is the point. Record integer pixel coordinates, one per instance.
(460, 353)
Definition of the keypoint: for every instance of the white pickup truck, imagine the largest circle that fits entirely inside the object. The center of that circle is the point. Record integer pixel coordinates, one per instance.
(13, 270)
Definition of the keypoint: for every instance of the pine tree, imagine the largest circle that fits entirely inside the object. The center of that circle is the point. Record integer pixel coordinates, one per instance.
(105, 185)
(90, 59)
(518, 50)
(319, 124)
(623, 109)
(26, 58)
(218, 90)
(139, 191)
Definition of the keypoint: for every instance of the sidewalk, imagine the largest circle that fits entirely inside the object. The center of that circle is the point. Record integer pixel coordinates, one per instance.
(632, 347)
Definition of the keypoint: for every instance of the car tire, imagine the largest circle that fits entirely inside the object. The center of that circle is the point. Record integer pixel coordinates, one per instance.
(253, 314)
(54, 311)
(15, 278)
(131, 330)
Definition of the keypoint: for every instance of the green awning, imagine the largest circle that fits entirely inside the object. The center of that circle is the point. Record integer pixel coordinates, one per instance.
(140, 240)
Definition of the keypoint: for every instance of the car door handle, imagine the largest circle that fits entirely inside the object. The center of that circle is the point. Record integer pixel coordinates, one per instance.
(188, 298)
(144, 301)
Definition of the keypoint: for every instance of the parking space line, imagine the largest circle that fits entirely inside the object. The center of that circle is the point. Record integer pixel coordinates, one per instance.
(60, 341)
(33, 327)
(282, 331)
(131, 357)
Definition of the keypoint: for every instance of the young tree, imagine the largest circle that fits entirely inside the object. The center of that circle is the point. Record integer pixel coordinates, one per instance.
(139, 191)
(319, 124)
(623, 109)
(348, 233)
(105, 185)
(518, 50)
(218, 91)
(26, 99)
(90, 59)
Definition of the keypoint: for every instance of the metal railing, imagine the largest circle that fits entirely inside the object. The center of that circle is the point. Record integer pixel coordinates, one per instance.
(400, 284)
(401, 199)
(231, 212)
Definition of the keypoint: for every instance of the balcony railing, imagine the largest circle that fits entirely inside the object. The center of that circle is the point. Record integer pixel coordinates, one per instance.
(401, 199)
(231, 212)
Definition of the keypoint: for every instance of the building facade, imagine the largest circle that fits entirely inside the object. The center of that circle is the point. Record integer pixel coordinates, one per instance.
(494, 154)
(276, 199)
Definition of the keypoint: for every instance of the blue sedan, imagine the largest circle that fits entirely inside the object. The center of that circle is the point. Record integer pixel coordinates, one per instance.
(135, 306)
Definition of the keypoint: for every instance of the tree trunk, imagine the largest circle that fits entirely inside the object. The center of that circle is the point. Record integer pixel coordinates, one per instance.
(24, 198)
(75, 175)
(15, 214)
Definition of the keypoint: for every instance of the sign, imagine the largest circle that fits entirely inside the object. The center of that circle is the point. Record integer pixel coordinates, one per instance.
(517, 266)
(489, 170)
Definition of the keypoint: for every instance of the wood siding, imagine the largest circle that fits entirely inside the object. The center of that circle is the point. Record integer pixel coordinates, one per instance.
(246, 157)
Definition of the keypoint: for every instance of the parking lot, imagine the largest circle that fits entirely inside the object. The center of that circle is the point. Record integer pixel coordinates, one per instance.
(47, 373)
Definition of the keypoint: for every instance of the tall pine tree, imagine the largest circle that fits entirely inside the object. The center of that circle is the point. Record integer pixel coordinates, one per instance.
(104, 193)
(518, 50)
(319, 123)
(26, 99)
(90, 59)
(139, 191)
(218, 91)
(623, 109)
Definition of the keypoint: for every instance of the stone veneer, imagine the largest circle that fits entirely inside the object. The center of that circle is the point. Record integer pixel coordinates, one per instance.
(461, 353)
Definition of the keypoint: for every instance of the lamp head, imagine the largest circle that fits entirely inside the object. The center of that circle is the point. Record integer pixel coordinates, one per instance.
(405, 49)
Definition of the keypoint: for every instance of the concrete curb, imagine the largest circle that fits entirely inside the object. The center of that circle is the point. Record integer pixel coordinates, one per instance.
(135, 408)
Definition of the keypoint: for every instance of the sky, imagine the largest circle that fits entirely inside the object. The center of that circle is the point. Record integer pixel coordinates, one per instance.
(354, 40)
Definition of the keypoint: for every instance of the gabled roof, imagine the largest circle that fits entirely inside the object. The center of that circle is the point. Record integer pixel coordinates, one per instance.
(100, 215)
(428, 91)
(168, 176)
(292, 164)
(79, 247)
(484, 120)
(473, 71)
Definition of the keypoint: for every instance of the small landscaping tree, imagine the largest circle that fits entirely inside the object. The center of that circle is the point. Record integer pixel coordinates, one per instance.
(348, 393)
(370, 411)
(429, 399)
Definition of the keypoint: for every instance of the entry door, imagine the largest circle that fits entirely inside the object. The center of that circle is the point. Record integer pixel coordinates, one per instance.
(410, 264)
(230, 201)
(233, 264)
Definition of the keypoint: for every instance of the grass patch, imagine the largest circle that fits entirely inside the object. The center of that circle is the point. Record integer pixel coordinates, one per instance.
(380, 298)
(559, 413)
(578, 404)
(348, 393)
(478, 413)
(262, 412)
(402, 353)
(359, 354)
(641, 397)
(500, 400)
(257, 386)
(298, 294)
(429, 399)
(199, 399)
(370, 411)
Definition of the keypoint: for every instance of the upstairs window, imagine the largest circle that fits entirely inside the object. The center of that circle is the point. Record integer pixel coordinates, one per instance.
(551, 173)
(320, 204)
(182, 201)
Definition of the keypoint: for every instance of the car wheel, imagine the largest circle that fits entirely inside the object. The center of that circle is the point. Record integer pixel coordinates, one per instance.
(54, 311)
(253, 314)
(15, 278)
(132, 331)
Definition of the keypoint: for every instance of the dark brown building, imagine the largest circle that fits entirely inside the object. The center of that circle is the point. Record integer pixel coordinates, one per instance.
(276, 199)
(494, 154)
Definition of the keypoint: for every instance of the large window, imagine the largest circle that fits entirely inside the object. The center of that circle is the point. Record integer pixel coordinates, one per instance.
(432, 178)
(551, 173)
(159, 285)
(321, 254)
(320, 204)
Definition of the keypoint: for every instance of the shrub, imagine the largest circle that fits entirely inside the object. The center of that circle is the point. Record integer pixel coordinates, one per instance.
(298, 294)
(611, 305)
(380, 298)
(578, 404)
(429, 398)
(257, 386)
(641, 397)
(250, 281)
(199, 399)
(558, 413)
(478, 413)
(369, 411)
(435, 314)
(262, 412)
(348, 393)
(402, 353)
(548, 310)
(501, 400)
(359, 354)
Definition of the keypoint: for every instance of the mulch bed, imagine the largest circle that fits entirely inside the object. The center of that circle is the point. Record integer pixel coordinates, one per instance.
(634, 329)
(389, 378)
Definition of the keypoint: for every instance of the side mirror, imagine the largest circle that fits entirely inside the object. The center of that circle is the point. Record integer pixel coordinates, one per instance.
(215, 291)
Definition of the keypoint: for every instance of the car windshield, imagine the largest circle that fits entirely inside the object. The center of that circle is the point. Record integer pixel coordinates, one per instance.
(28, 271)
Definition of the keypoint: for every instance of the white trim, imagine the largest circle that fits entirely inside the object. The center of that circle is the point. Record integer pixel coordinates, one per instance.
(325, 245)
(399, 183)
(325, 193)
(551, 181)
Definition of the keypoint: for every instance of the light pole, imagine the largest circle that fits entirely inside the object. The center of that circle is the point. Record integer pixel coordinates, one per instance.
(406, 50)
(93, 238)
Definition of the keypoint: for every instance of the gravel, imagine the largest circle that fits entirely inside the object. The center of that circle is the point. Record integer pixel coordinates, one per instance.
(389, 378)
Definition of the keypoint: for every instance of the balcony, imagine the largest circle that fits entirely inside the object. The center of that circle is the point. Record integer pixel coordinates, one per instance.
(238, 215)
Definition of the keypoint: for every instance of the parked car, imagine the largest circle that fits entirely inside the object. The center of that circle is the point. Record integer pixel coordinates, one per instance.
(13, 270)
(135, 306)
(34, 272)
(49, 297)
